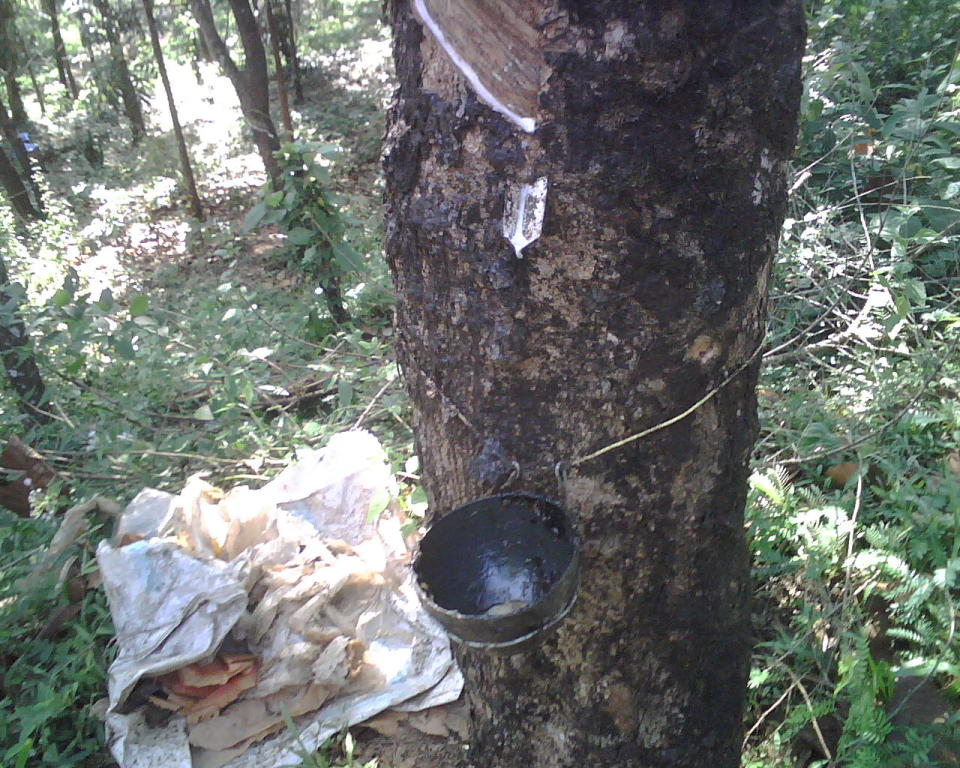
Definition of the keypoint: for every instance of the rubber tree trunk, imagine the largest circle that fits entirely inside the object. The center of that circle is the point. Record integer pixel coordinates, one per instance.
(17, 109)
(275, 45)
(121, 71)
(15, 189)
(186, 169)
(60, 51)
(251, 82)
(22, 159)
(661, 131)
(88, 40)
(19, 364)
(37, 88)
(288, 38)
(11, 54)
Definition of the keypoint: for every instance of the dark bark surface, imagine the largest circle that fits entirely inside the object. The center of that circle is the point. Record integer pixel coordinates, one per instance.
(11, 55)
(17, 110)
(663, 129)
(186, 169)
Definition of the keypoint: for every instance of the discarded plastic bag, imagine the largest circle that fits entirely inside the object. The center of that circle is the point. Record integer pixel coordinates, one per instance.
(290, 586)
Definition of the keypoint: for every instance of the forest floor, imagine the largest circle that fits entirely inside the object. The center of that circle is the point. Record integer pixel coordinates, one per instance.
(134, 238)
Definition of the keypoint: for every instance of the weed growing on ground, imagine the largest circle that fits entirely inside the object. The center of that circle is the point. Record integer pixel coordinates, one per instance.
(855, 503)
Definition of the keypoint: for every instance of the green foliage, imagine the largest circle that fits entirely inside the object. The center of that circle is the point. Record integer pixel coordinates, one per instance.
(338, 752)
(51, 676)
(856, 581)
(336, 24)
(305, 210)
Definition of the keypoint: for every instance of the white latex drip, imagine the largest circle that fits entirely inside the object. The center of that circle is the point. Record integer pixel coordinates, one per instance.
(523, 214)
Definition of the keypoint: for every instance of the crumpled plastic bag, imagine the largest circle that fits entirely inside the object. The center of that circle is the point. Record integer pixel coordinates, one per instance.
(294, 574)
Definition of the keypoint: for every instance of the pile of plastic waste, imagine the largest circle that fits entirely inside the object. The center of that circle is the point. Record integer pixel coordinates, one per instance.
(253, 624)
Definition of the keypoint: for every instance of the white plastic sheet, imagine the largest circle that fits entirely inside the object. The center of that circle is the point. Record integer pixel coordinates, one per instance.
(294, 573)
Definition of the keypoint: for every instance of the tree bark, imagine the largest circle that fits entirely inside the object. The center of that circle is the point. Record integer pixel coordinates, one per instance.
(275, 45)
(16, 98)
(16, 190)
(37, 88)
(12, 135)
(19, 364)
(288, 39)
(251, 82)
(196, 208)
(60, 51)
(11, 53)
(662, 130)
(121, 71)
(88, 40)
(17, 182)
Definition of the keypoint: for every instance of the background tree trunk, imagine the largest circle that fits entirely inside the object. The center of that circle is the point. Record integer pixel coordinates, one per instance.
(17, 109)
(251, 82)
(60, 51)
(275, 43)
(89, 37)
(288, 41)
(25, 170)
(19, 364)
(37, 87)
(662, 129)
(16, 190)
(121, 71)
(18, 181)
(11, 54)
(196, 208)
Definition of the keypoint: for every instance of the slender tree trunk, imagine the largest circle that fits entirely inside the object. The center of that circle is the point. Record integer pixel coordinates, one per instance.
(19, 363)
(278, 66)
(17, 109)
(12, 136)
(202, 49)
(16, 190)
(289, 38)
(88, 40)
(256, 91)
(333, 298)
(37, 88)
(60, 51)
(660, 131)
(196, 208)
(251, 82)
(121, 71)
(24, 174)
(11, 53)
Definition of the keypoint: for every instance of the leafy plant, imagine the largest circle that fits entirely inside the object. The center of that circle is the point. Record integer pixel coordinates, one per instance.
(54, 649)
(304, 208)
(855, 576)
